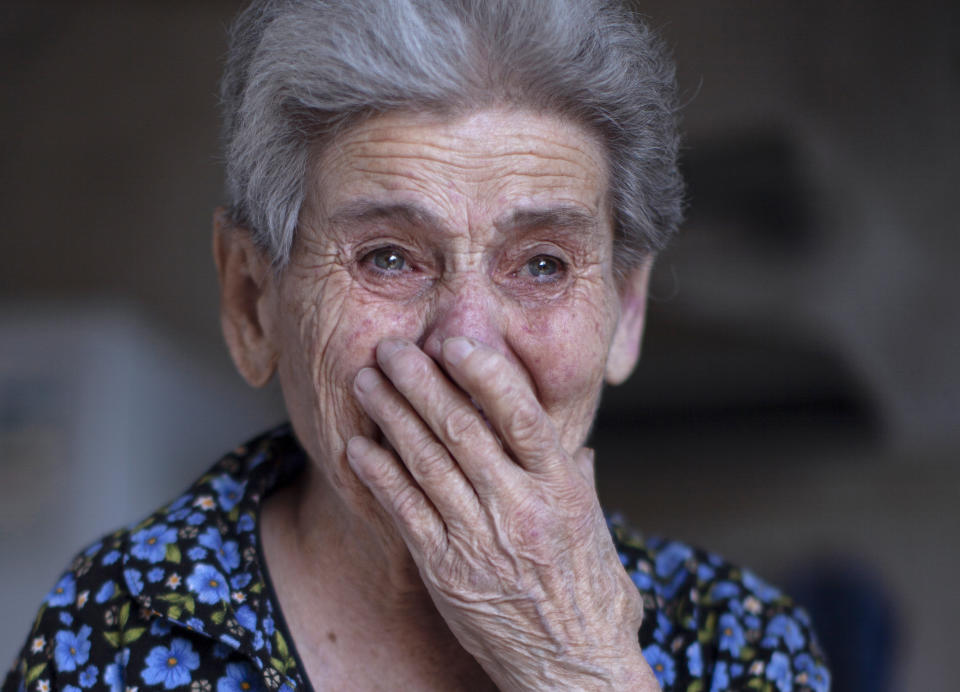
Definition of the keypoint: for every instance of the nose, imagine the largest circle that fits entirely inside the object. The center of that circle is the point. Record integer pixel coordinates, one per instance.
(468, 306)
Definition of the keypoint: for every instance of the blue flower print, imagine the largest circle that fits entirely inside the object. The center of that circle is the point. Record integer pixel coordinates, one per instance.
(240, 677)
(88, 677)
(160, 628)
(209, 585)
(105, 592)
(71, 688)
(179, 515)
(721, 678)
(661, 663)
(150, 544)
(695, 660)
(195, 624)
(232, 642)
(664, 628)
(268, 626)
(197, 552)
(643, 580)
(779, 672)
(93, 549)
(785, 628)
(705, 572)
(180, 502)
(65, 617)
(196, 518)
(238, 581)
(723, 590)
(679, 578)
(63, 592)
(155, 575)
(134, 581)
(226, 551)
(111, 557)
(228, 490)
(762, 589)
(170, 666)
(72, 649)
(731, 634)
(113, 674)
(671, 557)
(245, 524)
(247, 618)
(817, 676)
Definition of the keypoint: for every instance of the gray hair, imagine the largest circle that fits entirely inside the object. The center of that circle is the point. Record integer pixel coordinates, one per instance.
(299, 71)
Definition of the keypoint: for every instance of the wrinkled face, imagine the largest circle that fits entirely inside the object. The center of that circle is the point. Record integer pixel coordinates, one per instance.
(494, 225)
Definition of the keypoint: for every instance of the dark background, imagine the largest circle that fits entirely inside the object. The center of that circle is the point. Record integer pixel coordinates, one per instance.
(797, 405)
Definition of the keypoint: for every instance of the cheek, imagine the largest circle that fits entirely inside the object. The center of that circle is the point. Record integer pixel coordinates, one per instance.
(566, 351)
(359, 326)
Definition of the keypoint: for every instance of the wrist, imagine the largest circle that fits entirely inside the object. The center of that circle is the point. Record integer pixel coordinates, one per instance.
(606, 671)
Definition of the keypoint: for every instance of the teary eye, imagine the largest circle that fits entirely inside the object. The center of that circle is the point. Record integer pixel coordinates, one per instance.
(388, 259)
(543, 266)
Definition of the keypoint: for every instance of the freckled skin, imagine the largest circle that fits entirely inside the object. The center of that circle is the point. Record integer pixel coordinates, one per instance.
(468, 173)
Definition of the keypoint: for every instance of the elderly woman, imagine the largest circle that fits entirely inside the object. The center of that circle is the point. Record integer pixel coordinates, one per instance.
(442, 219)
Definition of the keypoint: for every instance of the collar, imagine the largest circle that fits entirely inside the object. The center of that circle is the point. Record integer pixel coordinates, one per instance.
(196, 563)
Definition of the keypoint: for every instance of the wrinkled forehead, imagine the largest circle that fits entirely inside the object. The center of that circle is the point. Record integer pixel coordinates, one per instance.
(485, 166)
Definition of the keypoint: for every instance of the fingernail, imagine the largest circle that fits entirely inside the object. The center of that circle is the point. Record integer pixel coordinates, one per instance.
(366, 379)
(458, 348)
(388, 347)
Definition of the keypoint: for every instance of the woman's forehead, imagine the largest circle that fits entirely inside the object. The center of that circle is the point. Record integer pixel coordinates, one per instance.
(503, 166)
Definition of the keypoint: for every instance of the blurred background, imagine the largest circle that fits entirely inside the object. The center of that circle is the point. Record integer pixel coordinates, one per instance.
(797, 408)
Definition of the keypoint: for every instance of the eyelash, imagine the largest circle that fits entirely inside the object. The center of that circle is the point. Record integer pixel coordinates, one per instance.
(526, 271)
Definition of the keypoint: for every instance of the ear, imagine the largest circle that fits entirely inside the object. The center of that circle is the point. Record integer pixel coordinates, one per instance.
(625, 347)
(246, 287)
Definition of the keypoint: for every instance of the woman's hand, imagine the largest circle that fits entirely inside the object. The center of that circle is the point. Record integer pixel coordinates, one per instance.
(503, 523)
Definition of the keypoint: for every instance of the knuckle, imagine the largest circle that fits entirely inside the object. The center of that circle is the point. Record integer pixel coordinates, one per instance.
(530, 525)
(411, 366)
(462, 425)
(406, 502)
(525, 420)
(430, 458)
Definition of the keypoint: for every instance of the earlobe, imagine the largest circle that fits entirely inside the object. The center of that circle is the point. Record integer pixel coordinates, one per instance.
(245, 285)
(625, 347)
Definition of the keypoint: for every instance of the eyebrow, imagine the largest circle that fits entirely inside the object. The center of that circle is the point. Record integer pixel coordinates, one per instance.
(565, 218)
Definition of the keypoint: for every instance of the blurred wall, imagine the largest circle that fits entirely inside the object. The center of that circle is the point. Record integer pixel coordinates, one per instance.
(798, 399)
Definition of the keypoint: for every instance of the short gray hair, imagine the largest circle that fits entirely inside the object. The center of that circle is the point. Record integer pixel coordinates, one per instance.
(299, 71)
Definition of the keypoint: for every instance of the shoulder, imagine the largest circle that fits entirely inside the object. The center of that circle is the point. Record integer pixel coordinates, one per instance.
(174, 599)
(710, 621)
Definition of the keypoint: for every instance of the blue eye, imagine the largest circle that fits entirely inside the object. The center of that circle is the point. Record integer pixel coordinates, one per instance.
(388, 259)
(544, 266)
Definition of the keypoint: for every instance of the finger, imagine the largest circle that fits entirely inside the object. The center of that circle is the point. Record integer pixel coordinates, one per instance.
(384, 475)
(507, 400)
(447, 410)
(424, 456)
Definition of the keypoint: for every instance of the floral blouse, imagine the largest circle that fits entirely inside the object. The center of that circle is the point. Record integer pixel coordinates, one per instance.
(183, 600)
